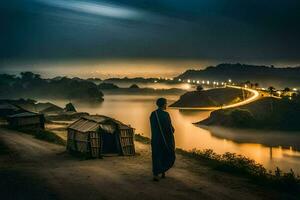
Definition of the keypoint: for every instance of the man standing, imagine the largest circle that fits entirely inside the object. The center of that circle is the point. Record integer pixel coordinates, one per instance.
(162, 140)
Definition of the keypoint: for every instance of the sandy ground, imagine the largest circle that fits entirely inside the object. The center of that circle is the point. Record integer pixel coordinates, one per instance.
(35, 169)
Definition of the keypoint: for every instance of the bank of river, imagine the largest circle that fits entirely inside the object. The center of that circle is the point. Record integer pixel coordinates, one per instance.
(268, 148)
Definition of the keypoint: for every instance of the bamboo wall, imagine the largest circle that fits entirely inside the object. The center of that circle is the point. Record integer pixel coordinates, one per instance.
(91, 144)
(127, 141)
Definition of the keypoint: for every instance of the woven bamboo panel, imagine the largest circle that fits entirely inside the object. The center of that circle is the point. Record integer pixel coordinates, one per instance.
(127, 142)
(31, 120)
(95, 142)
(82, 146)
(70, 141)
(81, 136)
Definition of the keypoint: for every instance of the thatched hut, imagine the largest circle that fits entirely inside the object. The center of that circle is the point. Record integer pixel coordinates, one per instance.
(7, 109)
(27, 120)
(97, 135)
(48, 108)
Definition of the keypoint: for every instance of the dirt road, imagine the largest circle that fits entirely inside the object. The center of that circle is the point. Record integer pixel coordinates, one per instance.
(255, 96)
(56, 175)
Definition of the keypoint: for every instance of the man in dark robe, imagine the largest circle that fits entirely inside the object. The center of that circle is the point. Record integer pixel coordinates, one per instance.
(162, 140)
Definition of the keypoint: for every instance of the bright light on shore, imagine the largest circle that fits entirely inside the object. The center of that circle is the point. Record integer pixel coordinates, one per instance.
(187, 86)
(295, 89)
(188, 80)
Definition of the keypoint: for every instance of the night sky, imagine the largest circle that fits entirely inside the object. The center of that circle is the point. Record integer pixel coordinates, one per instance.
(204, 31)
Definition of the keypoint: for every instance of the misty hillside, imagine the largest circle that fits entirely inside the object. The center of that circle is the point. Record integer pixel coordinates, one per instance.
(264, 75)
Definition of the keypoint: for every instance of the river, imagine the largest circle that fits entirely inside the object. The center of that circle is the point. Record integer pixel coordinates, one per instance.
(270, 148)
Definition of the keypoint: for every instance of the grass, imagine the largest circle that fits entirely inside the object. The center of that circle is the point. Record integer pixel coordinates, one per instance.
(241, 165)
(44, 135)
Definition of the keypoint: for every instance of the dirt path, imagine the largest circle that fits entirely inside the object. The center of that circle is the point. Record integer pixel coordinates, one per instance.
(65, 177)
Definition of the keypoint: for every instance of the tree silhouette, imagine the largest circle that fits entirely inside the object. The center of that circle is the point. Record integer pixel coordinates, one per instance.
(199, 88)
(271, 90)
(286, 89)
(29, 76)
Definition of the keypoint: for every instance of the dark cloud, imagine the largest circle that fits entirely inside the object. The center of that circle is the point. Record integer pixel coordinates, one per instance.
(250, 30)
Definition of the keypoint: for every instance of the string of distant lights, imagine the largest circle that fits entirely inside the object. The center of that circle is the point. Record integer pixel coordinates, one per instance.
(208, 82)
(192, 81)
(229, 82)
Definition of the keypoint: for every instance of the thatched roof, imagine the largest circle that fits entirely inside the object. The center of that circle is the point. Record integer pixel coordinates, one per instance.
(24, 114)
(7, 106)
(92, 123)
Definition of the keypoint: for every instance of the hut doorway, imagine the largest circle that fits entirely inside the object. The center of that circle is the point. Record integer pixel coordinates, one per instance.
(110, 144)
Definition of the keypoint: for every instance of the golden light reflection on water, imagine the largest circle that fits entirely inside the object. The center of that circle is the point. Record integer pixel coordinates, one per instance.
(135, 110)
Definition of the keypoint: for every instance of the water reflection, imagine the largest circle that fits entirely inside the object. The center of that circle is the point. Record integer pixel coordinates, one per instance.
(285, 139)
(270, 148)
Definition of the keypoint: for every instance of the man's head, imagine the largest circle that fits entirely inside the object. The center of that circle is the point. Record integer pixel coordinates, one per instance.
(161, 103)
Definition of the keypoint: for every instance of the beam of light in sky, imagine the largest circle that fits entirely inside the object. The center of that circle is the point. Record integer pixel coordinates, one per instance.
(95, 8)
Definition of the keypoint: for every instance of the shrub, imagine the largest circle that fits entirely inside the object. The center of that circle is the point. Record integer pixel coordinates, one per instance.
(199, 88)
(238, 164)
(49, 137)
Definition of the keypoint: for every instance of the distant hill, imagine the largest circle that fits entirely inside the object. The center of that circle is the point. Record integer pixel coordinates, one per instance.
(94, 80)
(107, 86)
(134, 89)
(133, 80)
(139, 80)
(30, 85)
(143, 91)
(264, 75)
(266, 113)
(211, 98)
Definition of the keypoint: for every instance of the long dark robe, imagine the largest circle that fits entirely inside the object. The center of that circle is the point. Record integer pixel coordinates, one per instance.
(163, 148)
